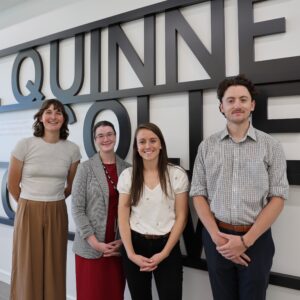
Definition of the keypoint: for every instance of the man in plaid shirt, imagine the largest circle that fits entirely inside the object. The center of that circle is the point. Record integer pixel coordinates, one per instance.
(238, 187)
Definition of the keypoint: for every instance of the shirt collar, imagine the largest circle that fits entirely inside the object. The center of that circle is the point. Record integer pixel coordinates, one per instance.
(250, 133)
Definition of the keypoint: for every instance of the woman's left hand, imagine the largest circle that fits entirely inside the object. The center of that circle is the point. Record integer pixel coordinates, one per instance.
(115, 251)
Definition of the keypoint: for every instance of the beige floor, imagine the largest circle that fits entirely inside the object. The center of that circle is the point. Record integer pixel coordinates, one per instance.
(4, 291)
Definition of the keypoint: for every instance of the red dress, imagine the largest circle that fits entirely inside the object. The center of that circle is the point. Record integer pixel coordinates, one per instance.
(103, 278)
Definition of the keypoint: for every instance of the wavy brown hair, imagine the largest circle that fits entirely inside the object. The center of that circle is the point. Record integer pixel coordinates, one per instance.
(236, 80)
(38, 126)
(137, 186)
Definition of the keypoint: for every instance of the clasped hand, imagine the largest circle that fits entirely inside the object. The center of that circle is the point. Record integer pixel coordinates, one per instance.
(232, 248)
(110, 249)
(147, 264)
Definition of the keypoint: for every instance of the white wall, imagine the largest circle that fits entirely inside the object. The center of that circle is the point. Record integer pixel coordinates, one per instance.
(164, 109)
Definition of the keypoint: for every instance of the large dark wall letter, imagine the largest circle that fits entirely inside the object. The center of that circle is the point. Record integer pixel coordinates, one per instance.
(192, 237)
(5, 202)
(143, 109)
(64, 95)
(124, 125)
(214, 62)
(195, 123)
(261, 121)
(273, 70)
(144, 70)
(33, 87)
(71, 114)
(260, 115)
(95, 73)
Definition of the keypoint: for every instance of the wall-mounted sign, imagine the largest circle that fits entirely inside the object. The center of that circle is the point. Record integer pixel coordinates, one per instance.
(276, 77)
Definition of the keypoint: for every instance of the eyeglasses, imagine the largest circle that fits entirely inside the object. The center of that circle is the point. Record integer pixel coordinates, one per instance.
(108, 135)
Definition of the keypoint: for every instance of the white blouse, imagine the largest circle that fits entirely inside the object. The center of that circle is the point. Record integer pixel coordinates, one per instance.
(155, 212)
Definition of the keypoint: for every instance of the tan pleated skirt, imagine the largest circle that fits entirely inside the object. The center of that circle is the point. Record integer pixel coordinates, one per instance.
(39, 251)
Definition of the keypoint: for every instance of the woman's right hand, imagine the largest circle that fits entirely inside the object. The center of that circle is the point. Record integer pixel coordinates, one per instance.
(14, 177)
(99, 246)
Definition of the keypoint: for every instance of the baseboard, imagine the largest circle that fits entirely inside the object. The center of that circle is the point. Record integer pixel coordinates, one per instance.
(4, 276)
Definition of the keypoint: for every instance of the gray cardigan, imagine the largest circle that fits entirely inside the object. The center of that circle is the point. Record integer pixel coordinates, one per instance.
(90, 195)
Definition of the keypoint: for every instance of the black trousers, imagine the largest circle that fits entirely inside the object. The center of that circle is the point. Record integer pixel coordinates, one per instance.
(230, 281)
(167, 276)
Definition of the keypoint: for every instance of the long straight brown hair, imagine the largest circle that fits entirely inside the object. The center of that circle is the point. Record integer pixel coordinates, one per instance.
(137, 186)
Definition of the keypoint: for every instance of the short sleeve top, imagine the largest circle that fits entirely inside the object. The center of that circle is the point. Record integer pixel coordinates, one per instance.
(155, 212)
(45, 167)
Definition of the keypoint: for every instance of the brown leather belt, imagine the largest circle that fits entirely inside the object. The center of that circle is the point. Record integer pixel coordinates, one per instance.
(150, 236)
(236, 228)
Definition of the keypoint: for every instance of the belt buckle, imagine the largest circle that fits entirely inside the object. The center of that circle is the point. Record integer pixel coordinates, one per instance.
(150, 236)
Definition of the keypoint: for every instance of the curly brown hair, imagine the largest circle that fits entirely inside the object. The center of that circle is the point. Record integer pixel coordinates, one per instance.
(236, 80)
(38, 126)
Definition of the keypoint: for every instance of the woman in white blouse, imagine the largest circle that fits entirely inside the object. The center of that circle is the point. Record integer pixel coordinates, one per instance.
(153, 206)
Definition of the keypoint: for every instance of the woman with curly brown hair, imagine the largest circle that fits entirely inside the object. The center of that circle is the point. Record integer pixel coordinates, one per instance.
(40, 177)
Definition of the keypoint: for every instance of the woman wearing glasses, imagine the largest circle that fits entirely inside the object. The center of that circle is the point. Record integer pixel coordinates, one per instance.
(153, 208)
(99, 273)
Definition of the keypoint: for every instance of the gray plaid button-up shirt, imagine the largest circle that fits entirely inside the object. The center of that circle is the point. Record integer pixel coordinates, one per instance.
(237, 179)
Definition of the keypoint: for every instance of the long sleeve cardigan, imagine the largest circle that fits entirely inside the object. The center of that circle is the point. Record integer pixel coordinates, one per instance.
(90, 196)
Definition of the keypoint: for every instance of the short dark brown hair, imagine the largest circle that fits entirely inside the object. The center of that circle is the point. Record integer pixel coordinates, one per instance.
(38, 126)
(236, 80)
(103, 123)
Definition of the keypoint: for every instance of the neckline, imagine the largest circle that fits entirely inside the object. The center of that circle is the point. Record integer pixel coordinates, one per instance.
(113, 158)
(48, 143)
(153, 189)
(109, 164)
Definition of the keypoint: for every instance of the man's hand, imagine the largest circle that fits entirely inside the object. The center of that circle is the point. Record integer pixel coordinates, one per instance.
(232, 249)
